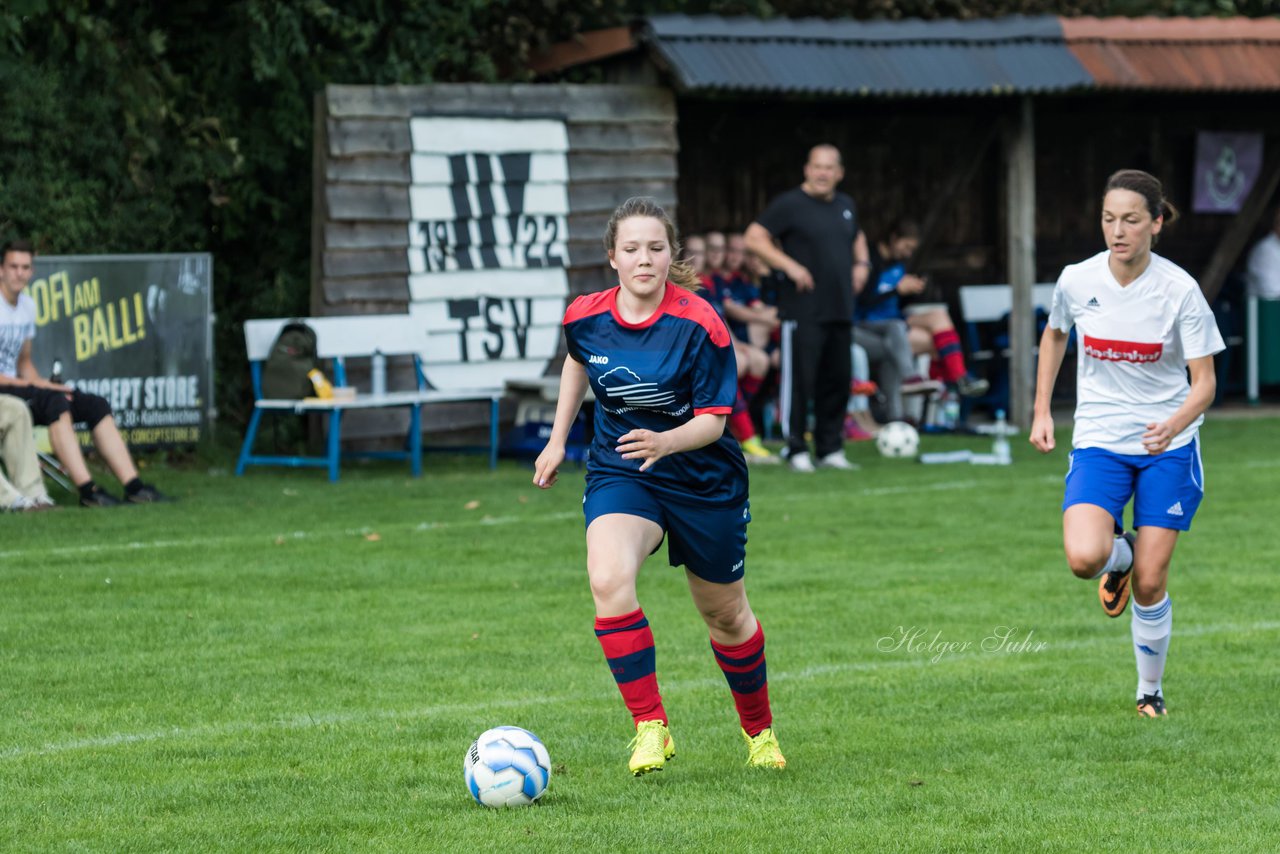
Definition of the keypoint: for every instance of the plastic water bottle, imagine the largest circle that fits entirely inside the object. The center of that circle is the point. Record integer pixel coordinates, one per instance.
(379, 372)
(55, 376)
(1000, 447)
(951, 411)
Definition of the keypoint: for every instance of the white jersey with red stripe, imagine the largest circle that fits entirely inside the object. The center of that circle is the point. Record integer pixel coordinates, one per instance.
(1134, 342)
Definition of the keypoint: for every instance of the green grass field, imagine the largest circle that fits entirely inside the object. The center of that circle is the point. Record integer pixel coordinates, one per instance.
(275, 663)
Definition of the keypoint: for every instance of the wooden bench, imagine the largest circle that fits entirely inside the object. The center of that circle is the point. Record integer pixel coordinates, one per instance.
(985, 321)
(339, 339)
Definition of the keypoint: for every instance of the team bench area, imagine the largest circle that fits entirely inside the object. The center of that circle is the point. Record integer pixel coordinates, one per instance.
(339, 339)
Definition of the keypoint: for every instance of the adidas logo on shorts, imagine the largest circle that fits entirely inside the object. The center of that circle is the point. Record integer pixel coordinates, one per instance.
(1176, 509)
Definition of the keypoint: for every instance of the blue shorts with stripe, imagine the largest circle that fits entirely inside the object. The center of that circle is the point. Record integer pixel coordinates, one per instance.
(1166, 488)
(709, 540)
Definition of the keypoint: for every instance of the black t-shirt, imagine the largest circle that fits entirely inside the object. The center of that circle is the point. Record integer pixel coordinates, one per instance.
(818, 234)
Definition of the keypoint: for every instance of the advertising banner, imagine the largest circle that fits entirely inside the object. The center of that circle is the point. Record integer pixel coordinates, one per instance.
(136, 329)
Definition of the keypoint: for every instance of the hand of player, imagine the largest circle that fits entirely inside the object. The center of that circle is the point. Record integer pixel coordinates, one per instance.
(1157, 438)
(1042, 433)
(800, 274)
(546, 469)
(644, 445)
(910, 285)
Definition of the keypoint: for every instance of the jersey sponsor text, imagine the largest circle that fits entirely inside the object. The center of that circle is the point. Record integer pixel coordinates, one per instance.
(1123, 351)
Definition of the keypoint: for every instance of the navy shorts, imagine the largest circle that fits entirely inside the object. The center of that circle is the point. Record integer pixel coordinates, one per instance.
(1166, 488)
(710, 541)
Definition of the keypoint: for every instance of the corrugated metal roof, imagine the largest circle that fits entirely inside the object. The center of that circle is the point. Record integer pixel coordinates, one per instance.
(1178, 54)
(886, 58)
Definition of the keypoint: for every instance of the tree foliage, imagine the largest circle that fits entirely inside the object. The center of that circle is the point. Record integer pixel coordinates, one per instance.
(187, 125)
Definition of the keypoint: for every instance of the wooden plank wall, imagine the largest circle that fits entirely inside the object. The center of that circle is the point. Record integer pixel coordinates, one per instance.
(621, 142)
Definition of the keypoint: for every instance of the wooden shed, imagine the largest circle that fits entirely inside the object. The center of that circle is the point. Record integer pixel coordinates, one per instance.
(479, 209)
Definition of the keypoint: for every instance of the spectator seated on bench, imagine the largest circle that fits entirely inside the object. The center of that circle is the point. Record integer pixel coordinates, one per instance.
(337, 340)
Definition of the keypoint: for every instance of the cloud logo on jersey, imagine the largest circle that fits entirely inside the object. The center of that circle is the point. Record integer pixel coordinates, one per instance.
(624, 386)
(1137, 352)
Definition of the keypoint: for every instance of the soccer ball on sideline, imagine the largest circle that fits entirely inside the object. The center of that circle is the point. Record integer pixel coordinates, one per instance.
(898, 439)
(507, 767)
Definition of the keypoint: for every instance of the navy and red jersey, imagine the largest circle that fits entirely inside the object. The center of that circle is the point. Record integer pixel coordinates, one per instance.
(657, 375)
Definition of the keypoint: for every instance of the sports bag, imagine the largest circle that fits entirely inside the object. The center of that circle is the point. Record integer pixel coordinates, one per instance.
(292, 356)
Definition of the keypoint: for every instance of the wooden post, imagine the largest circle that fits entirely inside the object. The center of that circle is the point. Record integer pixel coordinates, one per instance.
(1022, 263)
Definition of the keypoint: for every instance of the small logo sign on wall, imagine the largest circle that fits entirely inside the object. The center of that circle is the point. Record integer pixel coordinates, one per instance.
(1227, 166)
(488, 252)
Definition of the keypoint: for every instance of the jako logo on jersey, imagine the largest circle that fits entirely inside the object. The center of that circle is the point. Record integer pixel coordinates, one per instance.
(1093, 303)
(1123, 351)
(625, 386)
(1176, 509)
(598, 360)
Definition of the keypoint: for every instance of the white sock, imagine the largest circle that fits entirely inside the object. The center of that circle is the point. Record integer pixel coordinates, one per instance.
(1121, 557)
(1152, 625)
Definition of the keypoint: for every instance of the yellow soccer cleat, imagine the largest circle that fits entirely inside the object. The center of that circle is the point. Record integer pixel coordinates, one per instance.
(651, 748)
(754, 451)
(763, 750)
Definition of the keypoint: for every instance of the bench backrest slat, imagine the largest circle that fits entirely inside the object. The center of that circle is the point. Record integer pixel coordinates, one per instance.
(356, 335)
(987, 303)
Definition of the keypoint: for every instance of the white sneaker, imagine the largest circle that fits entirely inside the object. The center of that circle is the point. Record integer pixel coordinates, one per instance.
(837, 460)
(801, 462)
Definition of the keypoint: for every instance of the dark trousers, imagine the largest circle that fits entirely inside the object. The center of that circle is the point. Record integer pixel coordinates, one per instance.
(816, 372)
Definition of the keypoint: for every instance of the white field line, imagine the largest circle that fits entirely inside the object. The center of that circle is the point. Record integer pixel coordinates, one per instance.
(270, 538)
(308, 720)
(334, 533)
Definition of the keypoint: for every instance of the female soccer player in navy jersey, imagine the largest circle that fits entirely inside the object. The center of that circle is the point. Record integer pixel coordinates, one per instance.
(661, 365)
(1143, 324)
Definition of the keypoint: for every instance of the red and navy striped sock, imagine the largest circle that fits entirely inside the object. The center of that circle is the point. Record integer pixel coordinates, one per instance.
(740, 424)
(744, 669)
(950, 353)
(627, 642)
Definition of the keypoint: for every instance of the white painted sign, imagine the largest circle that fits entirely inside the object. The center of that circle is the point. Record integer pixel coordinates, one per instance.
(488, 239)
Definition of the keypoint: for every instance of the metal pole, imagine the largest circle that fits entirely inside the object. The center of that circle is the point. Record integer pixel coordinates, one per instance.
(1251, 348)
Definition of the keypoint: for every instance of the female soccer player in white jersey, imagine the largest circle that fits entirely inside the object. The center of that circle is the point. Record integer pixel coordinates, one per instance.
(1143, 325)
(660, 362)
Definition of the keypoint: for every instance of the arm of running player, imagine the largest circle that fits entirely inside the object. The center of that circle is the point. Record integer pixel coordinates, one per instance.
(760, 241)
(1204, 385)
(573, 387)
(1053, 346)
(651, 446)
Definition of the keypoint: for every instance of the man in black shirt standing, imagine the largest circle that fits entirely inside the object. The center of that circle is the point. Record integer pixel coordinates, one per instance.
(824, 254)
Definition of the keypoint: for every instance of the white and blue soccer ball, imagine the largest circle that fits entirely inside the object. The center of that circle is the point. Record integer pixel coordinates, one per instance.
(898, 439)
(507, 767)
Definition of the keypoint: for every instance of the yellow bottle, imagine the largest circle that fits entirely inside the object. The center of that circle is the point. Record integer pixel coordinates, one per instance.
(324, 388)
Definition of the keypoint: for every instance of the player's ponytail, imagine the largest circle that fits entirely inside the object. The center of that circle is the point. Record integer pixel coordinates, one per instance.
(680, 272)
(1147, 186)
